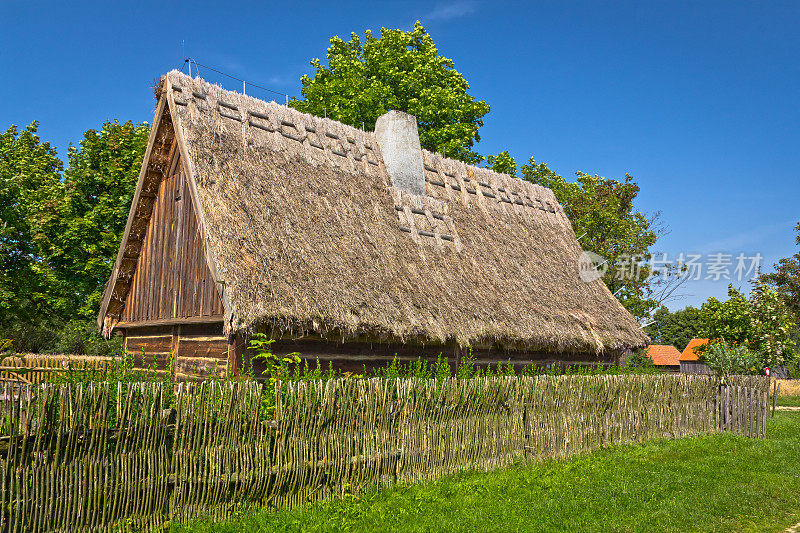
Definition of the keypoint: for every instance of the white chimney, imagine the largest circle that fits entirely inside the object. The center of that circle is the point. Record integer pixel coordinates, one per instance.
(399, 143)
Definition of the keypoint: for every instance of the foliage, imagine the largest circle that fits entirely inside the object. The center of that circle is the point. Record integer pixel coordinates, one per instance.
(793, 365)
(60, 236)
(398, 70)
(760, 322)
(81, 337)
(502, 163)
(276, 367)
(675, 329)
(640, 362)
(717, 482)
(731, 359)
(6, 345)
(603, 215)
(29, 192)
(785, 280)
(98, 189)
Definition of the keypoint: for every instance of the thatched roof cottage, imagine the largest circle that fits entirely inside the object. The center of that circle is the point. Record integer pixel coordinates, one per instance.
(342, 244)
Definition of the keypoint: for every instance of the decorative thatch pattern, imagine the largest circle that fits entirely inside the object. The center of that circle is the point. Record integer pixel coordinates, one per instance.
(306, 234)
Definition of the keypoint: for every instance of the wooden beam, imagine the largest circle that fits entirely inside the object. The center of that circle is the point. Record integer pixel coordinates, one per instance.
(172, 322)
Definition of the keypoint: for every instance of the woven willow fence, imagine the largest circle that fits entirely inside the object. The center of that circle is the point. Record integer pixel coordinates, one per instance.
(138, 456)
(36, 368)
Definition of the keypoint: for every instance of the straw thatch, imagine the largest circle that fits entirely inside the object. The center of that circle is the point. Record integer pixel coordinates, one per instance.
(307, 235)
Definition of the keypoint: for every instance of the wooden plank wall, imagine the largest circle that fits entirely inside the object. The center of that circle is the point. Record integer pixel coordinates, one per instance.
(200, 350)
(356, 356)
(172, 279)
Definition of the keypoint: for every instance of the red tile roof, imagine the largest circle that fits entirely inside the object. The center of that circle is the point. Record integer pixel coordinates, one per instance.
(689, 353)
(664, 355)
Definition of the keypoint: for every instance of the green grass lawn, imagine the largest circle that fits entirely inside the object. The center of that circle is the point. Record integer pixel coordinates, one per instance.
(789, 401)
(714, 483)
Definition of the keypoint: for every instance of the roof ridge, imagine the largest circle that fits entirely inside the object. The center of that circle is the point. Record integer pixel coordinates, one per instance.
(261, 102)
(505, 179)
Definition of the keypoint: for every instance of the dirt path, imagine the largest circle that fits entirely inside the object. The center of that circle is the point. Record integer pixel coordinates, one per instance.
(787, 408)
(794, 529)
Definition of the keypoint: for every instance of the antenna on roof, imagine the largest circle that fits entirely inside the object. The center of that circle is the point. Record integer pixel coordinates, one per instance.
(244, 86)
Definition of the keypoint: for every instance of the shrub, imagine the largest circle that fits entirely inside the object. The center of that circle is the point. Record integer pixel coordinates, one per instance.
(729, 359)
(81, 337)
(640, 362)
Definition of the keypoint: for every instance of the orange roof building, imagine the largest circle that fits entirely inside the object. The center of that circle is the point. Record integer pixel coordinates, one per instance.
(688, 353)
(664, 355)
(690, 361)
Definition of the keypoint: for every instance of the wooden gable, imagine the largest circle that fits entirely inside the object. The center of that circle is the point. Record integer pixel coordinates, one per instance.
(172, 279)
(162, 274)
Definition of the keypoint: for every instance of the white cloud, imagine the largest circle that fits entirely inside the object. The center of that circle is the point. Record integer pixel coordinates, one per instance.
(451, 10)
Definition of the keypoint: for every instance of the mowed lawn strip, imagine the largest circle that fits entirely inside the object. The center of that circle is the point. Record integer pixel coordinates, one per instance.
(714, 483)
(789, 401)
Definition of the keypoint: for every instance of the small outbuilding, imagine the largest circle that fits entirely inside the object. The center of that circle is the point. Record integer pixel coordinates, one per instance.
(665, 356)
(690, 359)
(345, 245)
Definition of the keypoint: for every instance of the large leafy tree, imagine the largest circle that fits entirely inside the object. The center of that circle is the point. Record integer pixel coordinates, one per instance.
(786, 279)
(59, 233)
(676, 328)
(29, 193)
(399, 70)
(504, 163)
(98, 188)
(760, 322)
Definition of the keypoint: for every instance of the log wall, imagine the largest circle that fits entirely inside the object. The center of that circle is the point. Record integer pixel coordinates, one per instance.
(200, 350)
(358, 356)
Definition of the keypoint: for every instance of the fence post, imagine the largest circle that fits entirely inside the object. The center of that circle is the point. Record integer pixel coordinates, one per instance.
(775, 391)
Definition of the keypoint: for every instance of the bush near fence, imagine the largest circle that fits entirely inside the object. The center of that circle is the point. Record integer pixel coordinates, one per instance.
(140, 455)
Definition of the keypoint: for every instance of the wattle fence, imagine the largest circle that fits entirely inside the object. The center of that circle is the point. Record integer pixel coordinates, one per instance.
(137, 456)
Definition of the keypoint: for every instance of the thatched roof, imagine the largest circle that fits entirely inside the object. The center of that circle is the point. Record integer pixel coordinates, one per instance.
(306, 233)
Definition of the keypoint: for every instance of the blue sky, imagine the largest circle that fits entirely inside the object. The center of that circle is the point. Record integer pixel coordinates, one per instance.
(697, 100)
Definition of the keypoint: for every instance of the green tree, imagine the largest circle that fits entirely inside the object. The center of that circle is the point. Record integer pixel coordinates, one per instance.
(731, 359)
(99, 184)
(786, 279)
(604, 217)
(503, 163)
(60, 235)
(760, 322)
(675, 329)
(29, 193)
(399, 70)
